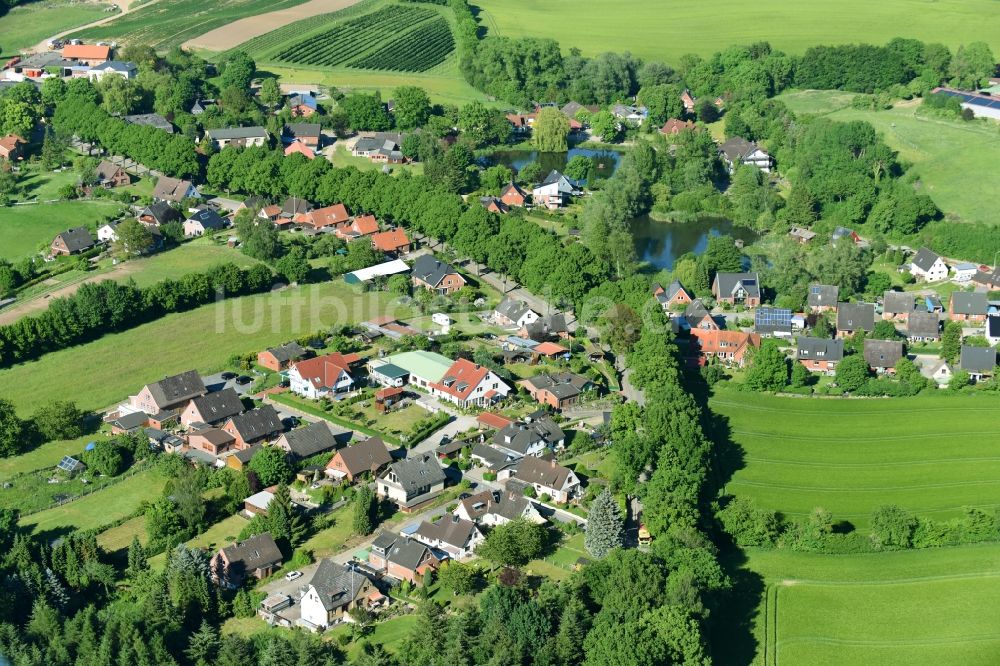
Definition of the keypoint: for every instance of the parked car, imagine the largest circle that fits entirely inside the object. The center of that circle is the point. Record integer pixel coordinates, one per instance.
(292, 575)
(243, 380)
(228, 375)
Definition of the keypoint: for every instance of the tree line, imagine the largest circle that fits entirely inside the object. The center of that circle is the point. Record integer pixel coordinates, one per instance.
(108, 306)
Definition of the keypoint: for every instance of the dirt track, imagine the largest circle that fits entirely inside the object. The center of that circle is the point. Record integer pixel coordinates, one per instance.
(40, 302)
(237, 32)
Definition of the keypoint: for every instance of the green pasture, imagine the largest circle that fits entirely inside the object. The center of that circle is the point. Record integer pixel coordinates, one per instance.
(101, 372)
(26, 25)
(930, 455)
(120, 538)
(667, 30)
(168, 23)
(25, 229)
(909, 607)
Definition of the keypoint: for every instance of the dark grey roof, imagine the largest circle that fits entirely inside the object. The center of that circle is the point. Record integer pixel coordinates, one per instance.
(407, 553)
(151, 120)
(547, 473)
(430, 270)
(895, 302)
(841, 232)
(451, 530)
(814, 349)
(521, 436)
(883, 353)
(977, 359)
(315, 438)
(505, 504)
(924, 259)
(237, 133)
(115, 65)
(257, 423)
(512, 309)
(244, 455)
(365, 456)
(772, 320)
(696, 311)
(209, 219)
(989, 278)
(495, 459)
(923, 324)
(295, 205)
(561, 384)
(336, 585)
(218, 406)
(417, 472)
(729, 282)
(162, 212)
(544, 327)
(391, 371)
(303, 129)
(132, 421)
(993, 326)
(377, 141)
(969, 302)
(737, 148)
(673, 288)
(291, 351)
(77, 239)
(259, 551)
(177, 388)
(856, 317)
(384, 540)
(823, 295)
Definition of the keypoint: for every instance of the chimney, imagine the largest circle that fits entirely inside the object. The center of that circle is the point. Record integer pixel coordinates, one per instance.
(553, 461)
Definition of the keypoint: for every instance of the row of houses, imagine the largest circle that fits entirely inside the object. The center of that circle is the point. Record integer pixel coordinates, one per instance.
(90, 61)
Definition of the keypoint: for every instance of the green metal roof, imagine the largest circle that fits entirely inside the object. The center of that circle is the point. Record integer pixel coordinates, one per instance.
(424, 364)
(392, 371)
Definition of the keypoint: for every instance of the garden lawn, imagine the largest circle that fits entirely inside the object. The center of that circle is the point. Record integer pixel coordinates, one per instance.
(46, 455)
(667, 30)
(102, 507)
(331, 540)
(24, 229)
(217, 536)
(910, 607)
(954, 160)
(342, 158)
(26, 25)
(120, 538)
(931, 455)
(203, 338)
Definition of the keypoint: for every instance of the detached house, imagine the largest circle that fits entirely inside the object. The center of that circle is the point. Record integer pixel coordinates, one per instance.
(737, 289)
(239, 137)
(393, 241)
(212, 408)
(534, 436)
(854, 317)
(202, 221)
(279, 358)
(368, 456)
(302, 105)
(819, 354)
(497, 507)
(466, 383)
(169, 393)
(126, 70)
(696, 315)
(511, 312)
(158, 214)
(431, 274)
(979, 362)
(309, 134)
(257, 425)
(674, 295)
(72, 241)
(548, 477)
(328, 217)
(673, 127)
(10, 147)
(897, 305)
(453, 535)
(729, 347)
(362, 225)
(737, 151)
(968, 306)
(922, 326)
(928, 266)
(883, 355)
(174, 190)
(110, 175)
(333, 590)
(310, 440)
(822, 297)
(412, 481)
(555, 191)
(323, 375)
(513, 195)
(557, 390)
(844, 232)
(776, 322)
(256, 557)
(401, 557)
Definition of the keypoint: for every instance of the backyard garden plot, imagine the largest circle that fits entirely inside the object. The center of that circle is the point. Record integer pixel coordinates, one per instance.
(933, 456)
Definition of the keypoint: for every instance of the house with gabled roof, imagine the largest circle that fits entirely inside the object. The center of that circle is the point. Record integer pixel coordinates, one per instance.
(256, 426)
(312, 439)
(979, 362)
(883, 355)
(333, 591)
(402, 557)
(674, 295)
(393, 241)
(367, 456)
(297, 146)
(72, 241)
(673, 127)
(321, 376)
(822, 297)
(494, 205)
(302, 105)
(203, 220)
(923, 326)
(696, 315)
(547, 477)
(555, 191)
(279, 358)
(466, 384)
(772, 322)
(110, 175)
(737, 289)
(985, 277)
(238, 137)
(256, 557)
(174, 190)
(970, 306)
(431, 274)
(512, 312)
(293, 206)
(844, 232)
(497, 507)
(558, 390)
(728, 347)
(412, 481)
(455, 536)
(854, 317)
(88, 54)
(126, 70)
(10, 147)
(159, 213)
(332, 216)
(928, 266)
(737, 151)
(819, 354)
(169, 393)
(897, 305)
(513, 195)
(212, 408)
(360, 226)
(533, 436)
(153, 120)
(310, 134)
(211, 440)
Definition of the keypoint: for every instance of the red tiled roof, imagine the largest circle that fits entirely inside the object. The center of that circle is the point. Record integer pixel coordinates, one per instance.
(365, 225)
(271, 211)
(389, 392)
(674, 126)
(493, 420)
(390, 241)
(10, 142)
(323, 371)
(714, 341)
(87, 51)
(549, 349)
(329, 216)
(299, 147)
(462, 373)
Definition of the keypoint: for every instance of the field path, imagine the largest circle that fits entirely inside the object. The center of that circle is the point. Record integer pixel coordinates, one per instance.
(40, 301)
(237, 32)
(124, 5)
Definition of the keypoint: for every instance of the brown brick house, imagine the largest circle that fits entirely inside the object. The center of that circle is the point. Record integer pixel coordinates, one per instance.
(72, 241)
(257, 425)
(213, 441)
(111, 175)
(370, 455)
(433, 275)
(256, 557)
(277, 359)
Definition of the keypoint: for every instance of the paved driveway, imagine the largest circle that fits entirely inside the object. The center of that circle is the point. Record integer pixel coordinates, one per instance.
(460, 423)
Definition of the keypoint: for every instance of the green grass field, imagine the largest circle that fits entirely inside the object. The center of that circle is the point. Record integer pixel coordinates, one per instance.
(119, 538)
(24, 229)
(169, 23)
(46, 455)
(665, 31)
(97, 374)
(211, 540)
(101, 507)
(26, 25)
(910, 607)
(954, 160)
(930, 455)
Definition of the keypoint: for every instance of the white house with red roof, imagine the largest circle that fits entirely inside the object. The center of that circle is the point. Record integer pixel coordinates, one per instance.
(323, 375)
(466, 384)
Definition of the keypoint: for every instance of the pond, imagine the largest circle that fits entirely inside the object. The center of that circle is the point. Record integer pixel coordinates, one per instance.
(605, 161)
(660, 243)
